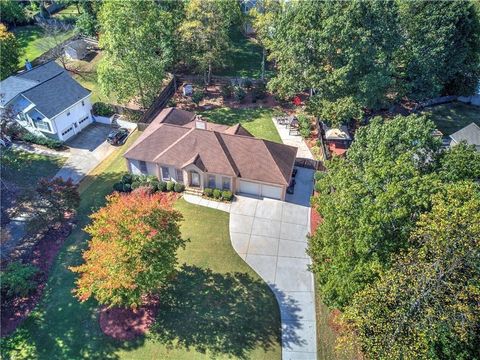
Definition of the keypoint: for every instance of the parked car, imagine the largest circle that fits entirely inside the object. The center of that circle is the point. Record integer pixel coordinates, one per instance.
(117, 136)
(291, 187)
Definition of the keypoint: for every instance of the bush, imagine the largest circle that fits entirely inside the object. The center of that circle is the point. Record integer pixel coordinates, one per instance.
(153, 184)
(127, 178)
(42, 140)
(17, 279)
(227, 195)
(197, 96)
(259, 91)
(127, 187)
(239, 93)
(162, 186)
(226, 91)
(318, 175)
(170, 186)
(171, 103)
(304, 123)
(118, 186)
(136, 185)
(179, 187)
(248, 84)
(208, 192)
(103, 109)
(217, 193)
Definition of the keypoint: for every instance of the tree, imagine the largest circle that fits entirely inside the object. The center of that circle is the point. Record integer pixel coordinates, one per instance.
(54, 42)
(55, 199)
(461, 162)
(205, 33)
(132, 252)
(9, 51)
(12, 12)
(369, 203)
(86, 24)
(426, 306)
(137, 40)
(343, 51)
(441, 52)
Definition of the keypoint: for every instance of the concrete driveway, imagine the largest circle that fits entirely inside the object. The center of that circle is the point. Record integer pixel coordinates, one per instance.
(87, 149)
(270, 235)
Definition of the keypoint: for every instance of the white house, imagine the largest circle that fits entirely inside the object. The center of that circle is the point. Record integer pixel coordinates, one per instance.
(47, 101)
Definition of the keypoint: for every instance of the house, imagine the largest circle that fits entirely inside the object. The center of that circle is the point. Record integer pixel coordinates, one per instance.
(338, 140)
(180, 146)
(469, 134)
(47, 101)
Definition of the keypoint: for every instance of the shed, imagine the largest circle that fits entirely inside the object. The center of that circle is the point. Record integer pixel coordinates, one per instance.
(76, 50)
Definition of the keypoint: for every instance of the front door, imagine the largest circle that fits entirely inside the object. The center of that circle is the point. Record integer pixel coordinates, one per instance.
(195, 179)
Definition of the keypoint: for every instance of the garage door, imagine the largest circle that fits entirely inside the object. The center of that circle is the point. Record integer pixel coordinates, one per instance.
(68, 132)
(251, 188)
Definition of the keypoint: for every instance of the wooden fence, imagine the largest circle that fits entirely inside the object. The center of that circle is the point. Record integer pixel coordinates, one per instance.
(159, 103)
(310, 164)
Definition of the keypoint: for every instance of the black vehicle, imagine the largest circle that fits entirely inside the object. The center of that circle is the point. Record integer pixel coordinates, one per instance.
(117, 136)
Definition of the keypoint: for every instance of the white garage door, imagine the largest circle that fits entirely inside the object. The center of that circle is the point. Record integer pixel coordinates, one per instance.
(251, 188)
(67, 133)
(273, 192)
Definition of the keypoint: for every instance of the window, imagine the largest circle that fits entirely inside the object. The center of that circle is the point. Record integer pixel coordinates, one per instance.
(65, 132)
(179, 175)
(143, 166)
(42, 125)
(226, 183)
(165, 173)
(83, 120)
(211, 181)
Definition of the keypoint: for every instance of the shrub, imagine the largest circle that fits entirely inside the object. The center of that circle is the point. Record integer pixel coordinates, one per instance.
(179, 187)
(127, 178)
(170, 186)
(103, 109)
(226, 91)
(304, 123)
(227, 195)
(248, 84)
(136, 185)
(208, 192)
(217, 193)
(154, 184)
(42, 140)
(171, 103)
(197, 96)
(259, 91)
(17, 279)
(127, 187)
(118, 186)
(162, 186)
(239, 93)
(318, 175)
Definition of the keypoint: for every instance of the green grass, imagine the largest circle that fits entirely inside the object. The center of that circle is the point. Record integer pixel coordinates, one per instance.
(245, 58)
(451, 117)
(257, 121)
(217, 306)
(69, 13)
(33, 42)
(24, 169)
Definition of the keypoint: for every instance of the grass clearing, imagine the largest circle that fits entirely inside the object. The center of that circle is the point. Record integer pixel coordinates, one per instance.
(257, 121)
(33, 42)
(217, 307)
(451, 117)
(69, 13)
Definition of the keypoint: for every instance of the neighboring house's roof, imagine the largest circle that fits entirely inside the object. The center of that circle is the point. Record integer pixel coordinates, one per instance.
(49, 87)
(470, 134)
(336, 133)
(78, 45)
(233, 151)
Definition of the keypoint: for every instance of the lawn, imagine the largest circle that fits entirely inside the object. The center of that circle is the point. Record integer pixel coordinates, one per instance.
(258, 121)
(24, 169)
(451, 117)
(69, 14)
(33, 42)
(217, 306)
(245, 58)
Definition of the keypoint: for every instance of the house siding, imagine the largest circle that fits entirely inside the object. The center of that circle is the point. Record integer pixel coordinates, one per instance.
(62, 121)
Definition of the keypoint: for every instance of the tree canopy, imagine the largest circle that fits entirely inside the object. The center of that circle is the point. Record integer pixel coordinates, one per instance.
(137, 38)
(426, 305)
(9, 51)
(132, 252)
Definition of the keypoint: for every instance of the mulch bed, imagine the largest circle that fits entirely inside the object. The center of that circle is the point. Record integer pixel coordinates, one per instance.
(126, 323)
(42, 256)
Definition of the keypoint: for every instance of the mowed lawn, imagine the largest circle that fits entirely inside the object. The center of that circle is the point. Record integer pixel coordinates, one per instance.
(217, 307)
(451, 117)
(257, 121)
(33, 42)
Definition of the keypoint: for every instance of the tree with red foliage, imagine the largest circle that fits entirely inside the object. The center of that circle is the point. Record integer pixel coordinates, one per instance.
(133, 249)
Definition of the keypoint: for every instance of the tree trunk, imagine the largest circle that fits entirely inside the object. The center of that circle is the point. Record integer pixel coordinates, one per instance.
(209, 73)
(78, 8)
(263, 64)
(140, 89)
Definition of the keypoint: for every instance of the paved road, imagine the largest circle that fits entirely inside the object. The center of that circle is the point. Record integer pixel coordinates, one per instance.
(270, 235)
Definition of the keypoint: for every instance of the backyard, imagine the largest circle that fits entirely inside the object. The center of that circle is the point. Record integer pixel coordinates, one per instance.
(451, 117)
(33, 42)
(257, 121)
(216, 307)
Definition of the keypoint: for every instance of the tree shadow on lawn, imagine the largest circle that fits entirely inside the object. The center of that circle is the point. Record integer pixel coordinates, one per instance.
(230, 313)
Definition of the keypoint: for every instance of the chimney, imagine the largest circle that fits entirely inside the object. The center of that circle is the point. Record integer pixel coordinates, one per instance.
(200, 123)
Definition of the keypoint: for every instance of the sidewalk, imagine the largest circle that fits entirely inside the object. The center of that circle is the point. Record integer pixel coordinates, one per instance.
(293, 140)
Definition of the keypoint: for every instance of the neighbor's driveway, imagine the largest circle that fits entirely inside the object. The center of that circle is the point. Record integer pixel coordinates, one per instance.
(270, 235)
(87, 149)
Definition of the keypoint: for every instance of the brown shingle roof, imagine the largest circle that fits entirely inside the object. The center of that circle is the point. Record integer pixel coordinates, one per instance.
(232, 151)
